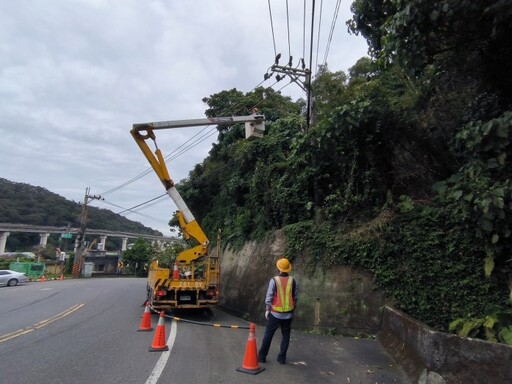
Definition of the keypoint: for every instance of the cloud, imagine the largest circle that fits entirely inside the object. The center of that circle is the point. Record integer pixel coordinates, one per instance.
(75, 75)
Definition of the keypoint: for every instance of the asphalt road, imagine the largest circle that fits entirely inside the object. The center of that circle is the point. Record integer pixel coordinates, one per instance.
(85, 331)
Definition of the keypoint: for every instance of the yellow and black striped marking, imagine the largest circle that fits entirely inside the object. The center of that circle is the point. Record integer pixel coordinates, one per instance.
(215, 325)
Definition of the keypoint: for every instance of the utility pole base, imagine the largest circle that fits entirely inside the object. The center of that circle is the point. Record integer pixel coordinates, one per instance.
(76, 270)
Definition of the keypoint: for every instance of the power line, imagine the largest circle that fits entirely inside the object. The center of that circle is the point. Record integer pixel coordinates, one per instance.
(177, 153)
(314, 40)
(149, 170)
(304, 32)
(308, 112)
(205, 134)
(138, 205)
(284, 86)
(136, 212)
(272, 27)
(331, 32)
(288, 29)
(147, 205)
(202, 135)
(202, 176)
(318, 36)
(132, 180)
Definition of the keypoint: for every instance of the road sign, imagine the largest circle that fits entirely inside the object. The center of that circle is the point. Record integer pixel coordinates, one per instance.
(67, 235)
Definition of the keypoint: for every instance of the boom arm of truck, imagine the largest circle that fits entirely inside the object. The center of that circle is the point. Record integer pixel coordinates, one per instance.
(254, 126)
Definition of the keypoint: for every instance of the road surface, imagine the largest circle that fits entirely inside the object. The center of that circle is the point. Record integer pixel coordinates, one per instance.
(85, 331)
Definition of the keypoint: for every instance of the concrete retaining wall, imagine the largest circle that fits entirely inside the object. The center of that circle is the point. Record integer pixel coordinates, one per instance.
(344, 300)
(341, 300)
(431, 357)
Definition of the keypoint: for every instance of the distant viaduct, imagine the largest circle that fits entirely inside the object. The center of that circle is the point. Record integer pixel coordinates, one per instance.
(44, 232)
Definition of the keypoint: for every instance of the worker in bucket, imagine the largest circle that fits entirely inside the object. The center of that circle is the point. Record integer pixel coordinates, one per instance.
(280, 303)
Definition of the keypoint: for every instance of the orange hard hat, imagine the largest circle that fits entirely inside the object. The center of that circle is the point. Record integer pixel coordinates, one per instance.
(284, 265)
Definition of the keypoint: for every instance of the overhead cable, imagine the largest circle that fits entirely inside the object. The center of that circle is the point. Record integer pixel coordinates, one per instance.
(318, 36)
(149, 170)
(133, 179)
(304, 32)
(308, 112)
(147, 205)
(288, 29)
(272, 27)
(179, 152)
(137, 213)
(331, 32)
(205, 133)
(138, 205)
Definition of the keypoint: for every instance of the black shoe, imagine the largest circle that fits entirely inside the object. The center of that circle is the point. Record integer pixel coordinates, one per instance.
(261, 360)
(281, 360)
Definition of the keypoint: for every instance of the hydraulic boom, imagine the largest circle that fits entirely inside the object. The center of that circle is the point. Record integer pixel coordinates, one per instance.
(197, 290)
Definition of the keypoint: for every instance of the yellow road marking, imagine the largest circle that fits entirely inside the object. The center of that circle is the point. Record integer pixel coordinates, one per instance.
(12, 335)
(59, 316)
(41, 324)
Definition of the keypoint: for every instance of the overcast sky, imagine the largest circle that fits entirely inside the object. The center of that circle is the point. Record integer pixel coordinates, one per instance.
(76, 74)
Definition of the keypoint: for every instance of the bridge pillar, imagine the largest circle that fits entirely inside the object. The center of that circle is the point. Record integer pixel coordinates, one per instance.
(125, 244)
(43, 239)
(3, 240)
(103, 242)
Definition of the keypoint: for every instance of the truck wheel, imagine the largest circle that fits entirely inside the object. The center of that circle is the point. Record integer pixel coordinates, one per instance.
(12, 282)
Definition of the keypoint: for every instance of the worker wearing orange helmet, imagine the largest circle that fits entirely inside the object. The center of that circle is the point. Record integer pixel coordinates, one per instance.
(280, 304)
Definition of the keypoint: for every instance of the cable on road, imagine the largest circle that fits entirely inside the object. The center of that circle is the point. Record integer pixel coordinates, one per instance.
(215, 325)
(234, 326)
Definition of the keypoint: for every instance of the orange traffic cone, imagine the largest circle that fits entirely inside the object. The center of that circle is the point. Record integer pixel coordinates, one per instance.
(43, 279)
(145, 324)
(175, 272)
(61, 276)
(159, 338)
(250, 364)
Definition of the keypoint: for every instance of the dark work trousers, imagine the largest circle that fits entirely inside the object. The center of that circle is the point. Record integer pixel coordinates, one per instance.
(272, 325)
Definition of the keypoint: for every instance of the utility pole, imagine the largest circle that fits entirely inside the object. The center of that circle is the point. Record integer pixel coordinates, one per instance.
(302, 76)
(80, 240)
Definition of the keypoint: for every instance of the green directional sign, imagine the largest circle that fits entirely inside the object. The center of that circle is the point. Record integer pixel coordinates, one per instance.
(67, 235)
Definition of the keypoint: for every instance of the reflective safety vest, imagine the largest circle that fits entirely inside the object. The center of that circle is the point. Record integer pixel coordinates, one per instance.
(283, 298)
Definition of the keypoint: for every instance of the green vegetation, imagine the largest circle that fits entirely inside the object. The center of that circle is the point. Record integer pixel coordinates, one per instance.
(26, 204)
(405, 171)
(494, 327)
(138, 255)
(142, 253)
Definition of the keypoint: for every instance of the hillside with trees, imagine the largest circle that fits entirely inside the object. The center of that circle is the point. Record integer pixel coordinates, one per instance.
(22, 203)
(405, 170)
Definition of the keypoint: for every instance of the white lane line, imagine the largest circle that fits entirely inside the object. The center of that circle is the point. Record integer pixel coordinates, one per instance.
(162, 361)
